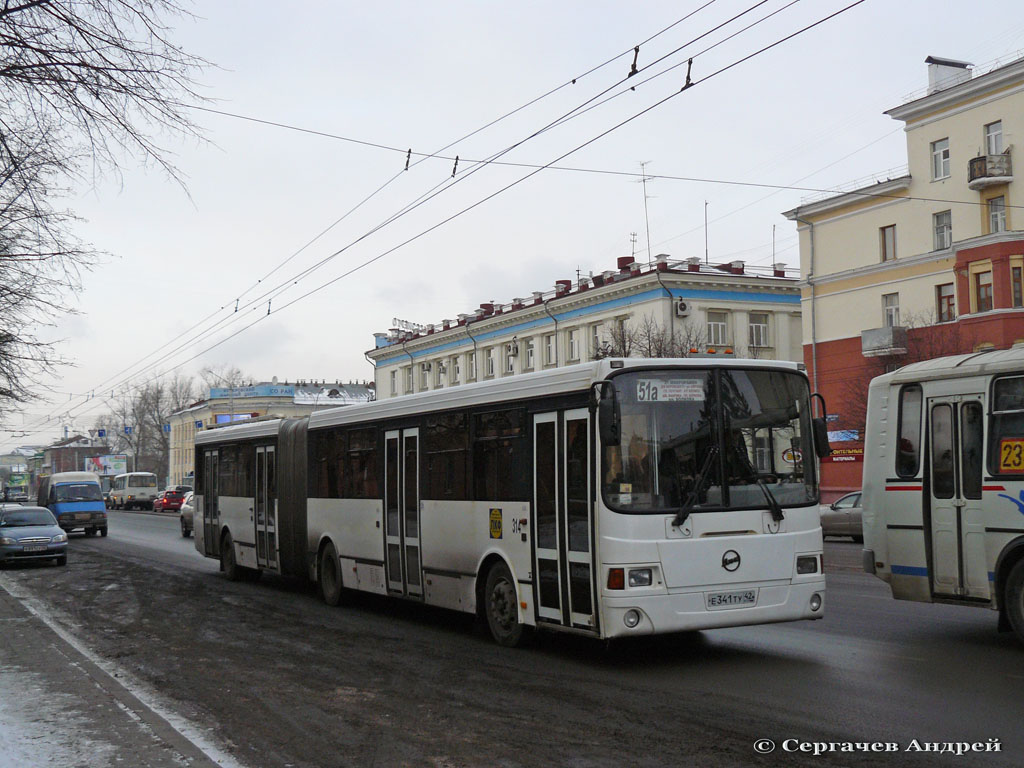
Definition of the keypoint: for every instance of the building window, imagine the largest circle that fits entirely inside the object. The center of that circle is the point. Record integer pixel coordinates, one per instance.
(994, 138)
(997, 214)
(574, 344)
(983, 291)
(489, 362)
(595, 339)
(510, 357)
(549, 349)
(1017, 285)
(891, 309)
(424, 375)
(944, 303)
(529, 354)
(439, 374)
(759, 329)
(887, 242)
(717, 327)
(942, 225)
(471, 367)
(940, 159)
(408, 379)
(394, 382)
(456, 370)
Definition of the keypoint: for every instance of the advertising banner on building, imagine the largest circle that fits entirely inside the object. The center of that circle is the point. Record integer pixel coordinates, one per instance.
(116, 464)
(260, 390)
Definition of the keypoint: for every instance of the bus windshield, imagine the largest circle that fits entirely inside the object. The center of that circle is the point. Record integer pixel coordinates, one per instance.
(79, 492)
(710, 439)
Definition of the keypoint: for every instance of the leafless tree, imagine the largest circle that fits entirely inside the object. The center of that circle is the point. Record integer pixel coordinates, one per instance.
(145, 411)
(646, 337)
(83, 84)
(926, 340)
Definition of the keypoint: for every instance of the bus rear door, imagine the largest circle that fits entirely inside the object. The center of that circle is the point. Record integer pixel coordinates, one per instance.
(959, 565)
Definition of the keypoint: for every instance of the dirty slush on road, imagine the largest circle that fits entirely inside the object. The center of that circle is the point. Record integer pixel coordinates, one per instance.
(276, 678)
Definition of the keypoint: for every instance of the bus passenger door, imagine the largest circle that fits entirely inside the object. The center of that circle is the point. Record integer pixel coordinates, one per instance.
(266, 507)
(564, 560)
(211, 514)
(957, 529)
(402, 512)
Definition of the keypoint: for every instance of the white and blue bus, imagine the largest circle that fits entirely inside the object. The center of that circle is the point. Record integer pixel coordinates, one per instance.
(614, 498)
(943, 492)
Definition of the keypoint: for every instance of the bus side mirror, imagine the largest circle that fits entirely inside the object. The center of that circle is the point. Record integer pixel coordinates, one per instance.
(821, 446)
(609, 419)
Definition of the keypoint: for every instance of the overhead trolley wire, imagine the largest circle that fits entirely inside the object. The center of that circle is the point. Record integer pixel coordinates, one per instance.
(105, 384)
(657, 104)
(524, 178)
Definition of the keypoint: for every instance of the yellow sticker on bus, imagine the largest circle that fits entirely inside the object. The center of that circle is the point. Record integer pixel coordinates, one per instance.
(1011, 454)
(495, 523)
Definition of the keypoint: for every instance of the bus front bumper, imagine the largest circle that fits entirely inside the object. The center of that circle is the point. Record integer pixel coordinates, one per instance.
(688, 611)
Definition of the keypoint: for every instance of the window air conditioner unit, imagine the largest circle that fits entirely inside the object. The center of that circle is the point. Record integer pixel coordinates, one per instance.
(425, 366)
(682, 308)
(512, 349)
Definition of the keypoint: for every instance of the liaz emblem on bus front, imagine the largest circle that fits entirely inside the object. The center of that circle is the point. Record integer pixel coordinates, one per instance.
(495, 523)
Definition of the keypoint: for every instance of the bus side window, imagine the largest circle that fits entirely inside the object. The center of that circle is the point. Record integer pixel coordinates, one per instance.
(908, 433)
(1006, 427)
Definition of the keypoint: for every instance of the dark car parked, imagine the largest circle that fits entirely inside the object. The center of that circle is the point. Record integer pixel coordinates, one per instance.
(31, 533)
(168, 501)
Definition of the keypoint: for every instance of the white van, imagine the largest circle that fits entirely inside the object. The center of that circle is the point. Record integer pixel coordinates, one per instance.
(133, 490)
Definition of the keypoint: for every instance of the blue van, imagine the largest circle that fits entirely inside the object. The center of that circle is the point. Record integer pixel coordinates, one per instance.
(76, 501)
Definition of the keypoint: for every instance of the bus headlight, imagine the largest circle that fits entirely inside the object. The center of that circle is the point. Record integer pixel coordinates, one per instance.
(640, 578)
(815, 601)
(631, 618)
(807, 564)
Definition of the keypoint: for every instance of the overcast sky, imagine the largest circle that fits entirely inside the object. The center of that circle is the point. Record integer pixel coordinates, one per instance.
(420, 76)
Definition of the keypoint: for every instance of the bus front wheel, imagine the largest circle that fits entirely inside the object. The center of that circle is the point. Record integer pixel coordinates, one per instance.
(1014, 595)
(330, 575)
(501, 607)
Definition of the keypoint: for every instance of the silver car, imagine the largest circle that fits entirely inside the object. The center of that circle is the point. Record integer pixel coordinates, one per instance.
(185, 515)
(843, 517)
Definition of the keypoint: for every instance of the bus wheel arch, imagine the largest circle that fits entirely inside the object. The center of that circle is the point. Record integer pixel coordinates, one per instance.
(328, 573)
(1010, 563)
(497, 602)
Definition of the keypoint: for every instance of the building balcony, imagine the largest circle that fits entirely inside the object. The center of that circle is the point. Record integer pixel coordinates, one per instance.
(988, 170)
(882, 342)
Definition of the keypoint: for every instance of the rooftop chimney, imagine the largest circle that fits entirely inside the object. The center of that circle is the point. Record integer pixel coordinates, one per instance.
(538, 297)
(779, 269)
(736, 267)
(562, 287)
(693, 264)
(623, 262)
(945, 73)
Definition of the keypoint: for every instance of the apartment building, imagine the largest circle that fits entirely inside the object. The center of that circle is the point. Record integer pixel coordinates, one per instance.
(923, 263)
(677, 307)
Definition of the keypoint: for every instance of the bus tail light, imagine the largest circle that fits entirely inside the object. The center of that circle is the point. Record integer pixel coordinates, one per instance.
(616, 579)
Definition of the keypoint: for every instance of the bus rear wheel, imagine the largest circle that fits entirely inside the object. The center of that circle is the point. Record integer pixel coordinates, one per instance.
(501, 607)
(330, 575)
(227, 559)
(1014, 598)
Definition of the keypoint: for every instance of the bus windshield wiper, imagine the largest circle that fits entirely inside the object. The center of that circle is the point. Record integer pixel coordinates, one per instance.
(698, 486)
(773, 503)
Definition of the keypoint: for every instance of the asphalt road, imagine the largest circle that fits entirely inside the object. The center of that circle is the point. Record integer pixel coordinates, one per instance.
(277, 678)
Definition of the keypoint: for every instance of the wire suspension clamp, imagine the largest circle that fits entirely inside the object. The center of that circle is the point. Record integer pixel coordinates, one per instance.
(633, 70)
(456, 166)
(689, 82)
(408, 157)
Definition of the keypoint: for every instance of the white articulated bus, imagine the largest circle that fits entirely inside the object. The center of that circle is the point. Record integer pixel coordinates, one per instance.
(611, 498)
(943, 489)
